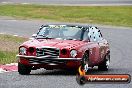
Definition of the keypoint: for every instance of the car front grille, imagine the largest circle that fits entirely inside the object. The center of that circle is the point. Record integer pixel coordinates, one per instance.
(46, 61)
(49, 52)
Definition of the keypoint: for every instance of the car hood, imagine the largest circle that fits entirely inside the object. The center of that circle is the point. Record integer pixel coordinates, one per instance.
(53, 43)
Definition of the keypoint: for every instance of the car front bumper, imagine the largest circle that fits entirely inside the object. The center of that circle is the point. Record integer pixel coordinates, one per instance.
(33, 60)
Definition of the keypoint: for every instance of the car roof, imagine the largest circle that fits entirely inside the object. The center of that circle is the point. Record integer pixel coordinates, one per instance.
(79, 25)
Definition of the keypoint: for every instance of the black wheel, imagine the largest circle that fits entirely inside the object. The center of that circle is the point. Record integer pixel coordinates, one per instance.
(104, 66)
(85, 61)
(80, 80)
(23, 69)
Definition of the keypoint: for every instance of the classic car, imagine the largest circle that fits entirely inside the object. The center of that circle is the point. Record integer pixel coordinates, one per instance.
(57, 46)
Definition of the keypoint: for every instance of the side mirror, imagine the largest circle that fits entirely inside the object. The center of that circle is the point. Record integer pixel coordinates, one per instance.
(34, 35)
(86, 40)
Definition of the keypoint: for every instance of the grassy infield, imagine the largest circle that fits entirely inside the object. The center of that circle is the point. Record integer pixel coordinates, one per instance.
(112, 15)
(9, 48)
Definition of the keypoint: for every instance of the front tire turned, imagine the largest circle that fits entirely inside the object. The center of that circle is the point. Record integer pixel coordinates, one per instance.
(85, 60)
(104, 66)
(23, 69)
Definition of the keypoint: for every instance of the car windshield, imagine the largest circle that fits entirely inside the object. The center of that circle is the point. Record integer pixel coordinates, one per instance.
(61, 31)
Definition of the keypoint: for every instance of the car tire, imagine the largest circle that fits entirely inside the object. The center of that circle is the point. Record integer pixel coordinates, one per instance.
(104, 66)
(81, 80)
(23, 69)
(85, 60)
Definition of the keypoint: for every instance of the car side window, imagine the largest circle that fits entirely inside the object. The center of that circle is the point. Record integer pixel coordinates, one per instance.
(91, 34)
(94, 34)
(98, 35)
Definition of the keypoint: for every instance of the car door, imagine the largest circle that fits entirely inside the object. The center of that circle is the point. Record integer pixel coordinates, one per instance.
(101, 42)
(94, 49)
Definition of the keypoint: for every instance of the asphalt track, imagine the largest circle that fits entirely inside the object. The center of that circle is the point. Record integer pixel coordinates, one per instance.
(71, 2)
(121, 59)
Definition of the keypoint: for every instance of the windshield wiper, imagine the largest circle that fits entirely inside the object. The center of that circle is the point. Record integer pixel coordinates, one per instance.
(70, 39)
(73, 39)
(44, 37)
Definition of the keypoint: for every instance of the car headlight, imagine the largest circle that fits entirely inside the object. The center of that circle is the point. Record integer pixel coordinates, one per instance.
(73, 53)
(23, 50)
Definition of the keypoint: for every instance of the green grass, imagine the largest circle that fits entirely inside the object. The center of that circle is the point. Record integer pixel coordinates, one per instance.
(9, 48)
(108, 15)
(7, 57)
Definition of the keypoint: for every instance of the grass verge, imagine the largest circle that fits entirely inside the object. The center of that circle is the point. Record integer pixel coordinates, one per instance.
(111, 15)
(9, 48)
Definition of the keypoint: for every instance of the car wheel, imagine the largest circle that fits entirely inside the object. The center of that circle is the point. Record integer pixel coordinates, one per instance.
(104, 66)
(81, 80)
(23, 69)
(85, 62)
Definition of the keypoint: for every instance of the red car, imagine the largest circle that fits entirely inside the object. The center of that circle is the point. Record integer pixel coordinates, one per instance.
(64, 47)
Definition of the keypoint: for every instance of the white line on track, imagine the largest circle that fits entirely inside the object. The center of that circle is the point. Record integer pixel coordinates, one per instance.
(6, 2)
(15, 35)
(25, 3)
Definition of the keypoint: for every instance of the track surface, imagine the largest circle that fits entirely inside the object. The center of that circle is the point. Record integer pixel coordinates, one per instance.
(72, 2)
(121, 59)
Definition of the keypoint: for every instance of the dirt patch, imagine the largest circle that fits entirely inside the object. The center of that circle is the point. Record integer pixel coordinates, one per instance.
(10, 43)
(9, 46)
